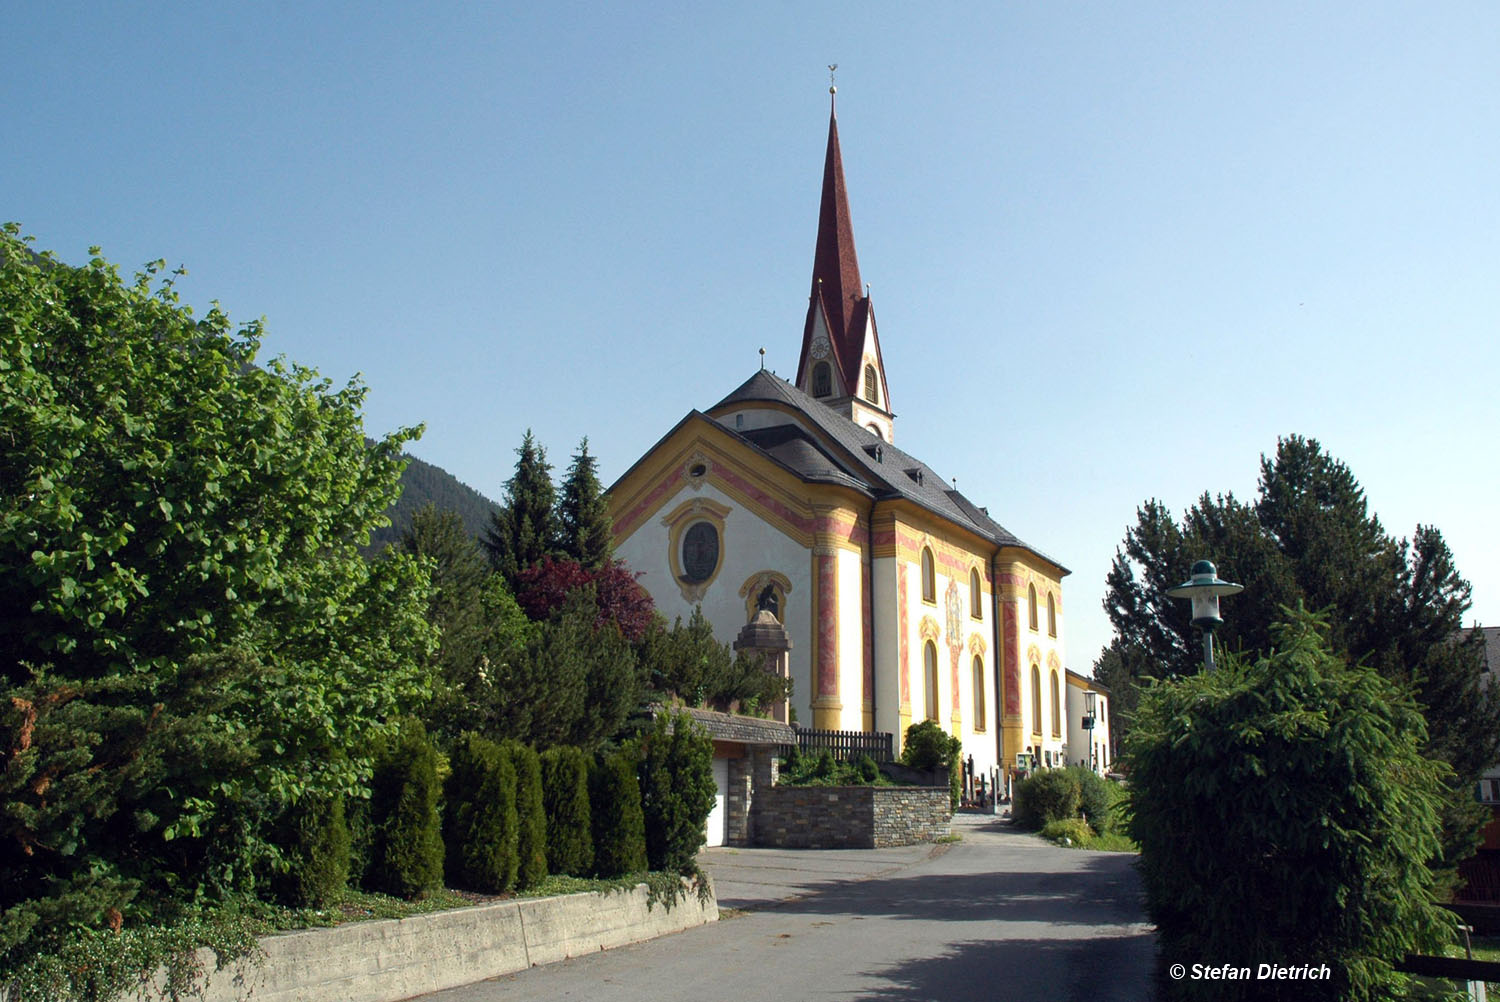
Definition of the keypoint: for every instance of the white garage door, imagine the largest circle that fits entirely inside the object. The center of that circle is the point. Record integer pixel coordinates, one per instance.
(716, 816)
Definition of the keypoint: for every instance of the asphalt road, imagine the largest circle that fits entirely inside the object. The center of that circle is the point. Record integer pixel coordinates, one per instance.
(997, 915)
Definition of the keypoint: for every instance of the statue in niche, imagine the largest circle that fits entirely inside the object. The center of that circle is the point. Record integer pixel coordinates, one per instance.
(769, 601)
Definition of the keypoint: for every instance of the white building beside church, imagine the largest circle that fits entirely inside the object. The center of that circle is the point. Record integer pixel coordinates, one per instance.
(904, 600)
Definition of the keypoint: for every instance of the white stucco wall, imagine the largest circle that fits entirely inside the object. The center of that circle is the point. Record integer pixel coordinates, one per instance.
(748, 546)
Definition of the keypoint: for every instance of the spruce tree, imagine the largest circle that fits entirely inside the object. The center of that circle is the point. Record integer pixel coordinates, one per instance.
(524, 530)
(459, 578)
(585, 531)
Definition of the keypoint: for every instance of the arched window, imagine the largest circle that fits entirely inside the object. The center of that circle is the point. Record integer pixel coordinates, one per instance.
(1051, 615)
(822, 381)
(1031, 605)
(929, 576)
(929, 661)
(875, 430)
(1036, 700)
(872, 385)
(976, 596)
(1056, 710)
(978, 693)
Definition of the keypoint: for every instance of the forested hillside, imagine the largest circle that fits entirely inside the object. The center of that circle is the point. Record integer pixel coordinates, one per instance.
(423, 483)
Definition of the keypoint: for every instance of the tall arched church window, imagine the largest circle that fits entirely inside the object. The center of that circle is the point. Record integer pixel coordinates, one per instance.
(978, 693)
(929, 576)
(822, 381)
(976, 597)
(872, 385)
(1051, 615)
(1036, 700)
(1056, 709)
(1031, 605)
(929, 662)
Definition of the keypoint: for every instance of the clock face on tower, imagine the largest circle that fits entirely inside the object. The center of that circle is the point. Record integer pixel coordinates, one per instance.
(820, 346)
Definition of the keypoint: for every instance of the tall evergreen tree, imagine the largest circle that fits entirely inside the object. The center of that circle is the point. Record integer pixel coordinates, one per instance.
(524, 530)
(585, 531)
(1395, 605)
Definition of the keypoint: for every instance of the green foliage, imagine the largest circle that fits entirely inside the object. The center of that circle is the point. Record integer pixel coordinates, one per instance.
(406, 856)
(1045, 796)
(1058, 795)
(480, 821)
(191, 636)
(823, 770)
(1098, 799)
(686, 661)
(565, 797)
(619, 828)
(531, 816)
(102, 965)
(524, 529)
(1076, 831)
(572, 683)
(677, 791)
(928, 746)
(1285, 814)
(1309, 537)
(467, 633)
(585, 531)
(316, 853)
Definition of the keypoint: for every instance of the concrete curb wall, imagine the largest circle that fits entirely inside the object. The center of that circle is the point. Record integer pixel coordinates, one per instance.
(392, 959)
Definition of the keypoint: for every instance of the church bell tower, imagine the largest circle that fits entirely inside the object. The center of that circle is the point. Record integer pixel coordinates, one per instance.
(840, 363)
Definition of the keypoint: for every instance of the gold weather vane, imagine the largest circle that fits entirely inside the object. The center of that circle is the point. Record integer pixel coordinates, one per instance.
(831, 68)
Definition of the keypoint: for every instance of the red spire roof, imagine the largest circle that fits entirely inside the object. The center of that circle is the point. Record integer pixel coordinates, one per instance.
(836, 287)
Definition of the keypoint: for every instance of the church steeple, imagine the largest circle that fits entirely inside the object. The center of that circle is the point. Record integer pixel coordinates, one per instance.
(840, 362)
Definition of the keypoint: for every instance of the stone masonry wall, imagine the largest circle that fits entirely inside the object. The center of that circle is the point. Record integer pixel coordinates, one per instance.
(850, 817)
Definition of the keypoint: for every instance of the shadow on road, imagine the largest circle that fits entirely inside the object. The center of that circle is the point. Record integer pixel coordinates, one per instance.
(1057, 896)
(984, 970)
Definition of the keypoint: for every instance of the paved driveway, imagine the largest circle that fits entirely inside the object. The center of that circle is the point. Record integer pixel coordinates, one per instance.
(998, 915)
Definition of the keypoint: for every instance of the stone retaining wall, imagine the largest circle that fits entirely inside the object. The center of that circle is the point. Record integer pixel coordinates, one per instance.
(850, 817)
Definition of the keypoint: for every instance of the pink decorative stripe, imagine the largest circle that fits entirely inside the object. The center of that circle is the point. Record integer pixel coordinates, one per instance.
(828, 636)
(903, 672)
(631, 519)
(955, 651)
(799, 522)
(1012, 662)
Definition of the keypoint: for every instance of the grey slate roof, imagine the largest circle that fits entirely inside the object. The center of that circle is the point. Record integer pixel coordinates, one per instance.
(859, 459)
(747, 730)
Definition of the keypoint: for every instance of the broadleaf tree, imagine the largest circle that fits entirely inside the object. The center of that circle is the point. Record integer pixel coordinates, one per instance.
(191, 640)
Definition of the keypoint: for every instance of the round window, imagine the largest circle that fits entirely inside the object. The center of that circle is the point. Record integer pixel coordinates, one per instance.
(700, 551)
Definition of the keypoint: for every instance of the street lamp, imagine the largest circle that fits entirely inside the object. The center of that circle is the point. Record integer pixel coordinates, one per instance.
(1204, 589)
(1089, 696)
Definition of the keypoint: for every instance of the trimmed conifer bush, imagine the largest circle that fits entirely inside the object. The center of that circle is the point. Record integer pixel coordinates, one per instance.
(619, 828)
(565, 798)
(406, 854)
(480, 823)
(531, 816)
(1286, 813)
(677, 791)
(315, 844)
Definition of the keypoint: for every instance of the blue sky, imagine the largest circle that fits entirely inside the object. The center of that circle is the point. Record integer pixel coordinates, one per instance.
(1116, 249)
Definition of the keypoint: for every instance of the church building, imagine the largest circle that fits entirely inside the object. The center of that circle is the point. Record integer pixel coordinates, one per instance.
(903, 600)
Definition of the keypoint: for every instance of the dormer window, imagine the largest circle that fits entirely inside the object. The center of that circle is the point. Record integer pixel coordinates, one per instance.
(872, 386)
(822, 381)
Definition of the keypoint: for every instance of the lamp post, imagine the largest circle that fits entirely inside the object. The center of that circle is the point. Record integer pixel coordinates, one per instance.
(1089, 696)
(1205, 589)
